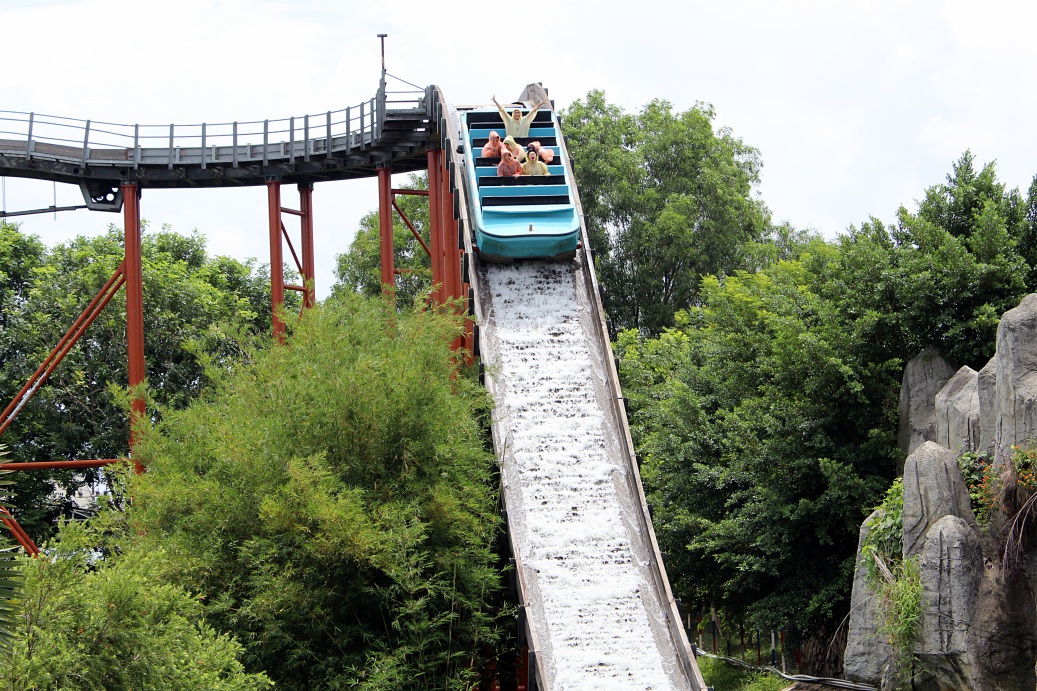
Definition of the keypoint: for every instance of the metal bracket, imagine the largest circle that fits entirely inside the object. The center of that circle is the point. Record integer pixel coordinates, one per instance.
(102, 195)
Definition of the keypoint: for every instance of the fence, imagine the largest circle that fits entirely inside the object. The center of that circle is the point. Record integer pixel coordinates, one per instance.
(87, 142)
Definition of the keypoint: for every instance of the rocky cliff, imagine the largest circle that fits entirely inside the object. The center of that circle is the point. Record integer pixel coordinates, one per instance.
(978, 623)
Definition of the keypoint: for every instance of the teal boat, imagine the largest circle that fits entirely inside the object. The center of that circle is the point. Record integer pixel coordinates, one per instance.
(532, 216)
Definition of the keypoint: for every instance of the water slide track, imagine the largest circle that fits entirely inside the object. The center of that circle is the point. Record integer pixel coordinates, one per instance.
(598, 609)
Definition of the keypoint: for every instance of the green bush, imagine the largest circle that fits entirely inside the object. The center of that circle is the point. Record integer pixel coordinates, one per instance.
(92, 621)
(885, 538)
(984, 483)
(334, 504)
(901, 609)
(897, 580)
(726, 677)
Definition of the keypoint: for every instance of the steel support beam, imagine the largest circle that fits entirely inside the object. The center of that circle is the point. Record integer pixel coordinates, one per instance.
(71, 337)
(19, 533)
(273, 196)
(54, 465)
(385, 204)
(451, 252)
(134, 273)
(309, 296)
(406, 222)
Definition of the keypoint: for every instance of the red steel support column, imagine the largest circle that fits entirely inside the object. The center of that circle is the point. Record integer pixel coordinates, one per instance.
(308, 265)
(134, 273)
(385, 198)
(273, 198)
(452, 257)
(435, 216)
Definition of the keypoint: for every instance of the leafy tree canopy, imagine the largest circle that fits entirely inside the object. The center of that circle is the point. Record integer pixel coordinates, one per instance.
(332, 502)
(942, 276)
(763, 438)
(92, 619)
(667, 200)
(194, 305)
(768, 414)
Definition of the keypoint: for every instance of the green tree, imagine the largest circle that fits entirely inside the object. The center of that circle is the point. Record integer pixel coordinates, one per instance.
(940, 277)
(667, 200)
(19, 255)
(11, 590)
(94, 619)
(359, 270)
(767, 415)
(196, 307)
(763, 440)
(332, 502)
(1028, 235)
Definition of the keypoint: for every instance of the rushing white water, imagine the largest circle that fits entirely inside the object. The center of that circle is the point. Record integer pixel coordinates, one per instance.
(599, 623)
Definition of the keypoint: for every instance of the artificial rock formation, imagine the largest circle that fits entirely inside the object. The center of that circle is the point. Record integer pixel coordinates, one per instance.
(924, 376)
(978, 622)
(957, 412)
(933, 488)
(986, 384)
(951, 566)
(1016, 373)
(869, 656)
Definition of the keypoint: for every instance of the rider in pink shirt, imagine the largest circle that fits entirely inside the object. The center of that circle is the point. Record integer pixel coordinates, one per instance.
(546, 155)
(493, 147)
(508, 167)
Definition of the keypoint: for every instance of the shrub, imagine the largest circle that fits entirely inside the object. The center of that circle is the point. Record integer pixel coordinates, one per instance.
(721, 675)
(92, 621)
(984, 483)
(896, 580)
(333, 502)
(885, 538)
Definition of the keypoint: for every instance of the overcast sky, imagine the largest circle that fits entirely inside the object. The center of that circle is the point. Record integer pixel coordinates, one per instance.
(856, 107)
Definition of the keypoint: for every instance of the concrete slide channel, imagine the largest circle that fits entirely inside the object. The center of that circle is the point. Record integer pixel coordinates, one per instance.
(595, 601)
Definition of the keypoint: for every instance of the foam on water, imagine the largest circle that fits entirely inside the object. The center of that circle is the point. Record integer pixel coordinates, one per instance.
(595, 604)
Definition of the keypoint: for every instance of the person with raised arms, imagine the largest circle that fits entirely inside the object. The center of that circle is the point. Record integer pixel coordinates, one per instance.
(517, 124)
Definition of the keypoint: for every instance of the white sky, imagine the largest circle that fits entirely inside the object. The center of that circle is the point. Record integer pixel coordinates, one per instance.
(855, 106)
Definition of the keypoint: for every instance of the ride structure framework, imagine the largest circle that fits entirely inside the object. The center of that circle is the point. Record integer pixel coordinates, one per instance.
(395, 132)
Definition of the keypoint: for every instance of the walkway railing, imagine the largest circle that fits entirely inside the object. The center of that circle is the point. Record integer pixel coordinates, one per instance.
(37, 136)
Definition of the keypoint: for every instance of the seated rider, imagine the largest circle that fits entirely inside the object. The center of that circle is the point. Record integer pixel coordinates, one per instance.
(533, 164)
(546, 155)
(517, 125)
(493, 147)
(508, 166)
(517, 151)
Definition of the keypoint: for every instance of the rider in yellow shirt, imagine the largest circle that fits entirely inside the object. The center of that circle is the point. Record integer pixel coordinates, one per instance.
(533, 164)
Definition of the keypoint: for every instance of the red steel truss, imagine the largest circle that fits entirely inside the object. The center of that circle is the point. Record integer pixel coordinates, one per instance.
(444, 247)
(278, 238)
(129, 275)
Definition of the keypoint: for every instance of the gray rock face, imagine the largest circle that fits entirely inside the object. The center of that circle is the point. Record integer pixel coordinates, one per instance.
(924, 376)
(933, 488)
(989, 427)
(951, 567)
(957, 411)
(868, 653)
(979, 623)
(1016, 374)
(1001, 637)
